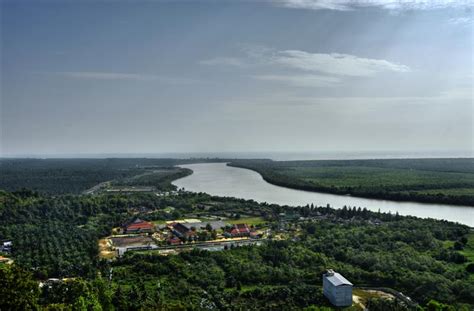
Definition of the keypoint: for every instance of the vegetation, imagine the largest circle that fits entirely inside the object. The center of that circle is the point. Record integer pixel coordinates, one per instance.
(57, 237)
(286, 273)
(448, 181)
(251, 221)
(159, 178)
(73, 176)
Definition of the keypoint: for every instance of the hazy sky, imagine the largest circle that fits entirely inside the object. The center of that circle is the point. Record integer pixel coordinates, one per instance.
(203, 76)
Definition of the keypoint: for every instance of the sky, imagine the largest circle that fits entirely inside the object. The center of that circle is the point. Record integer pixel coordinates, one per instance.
(95, 77)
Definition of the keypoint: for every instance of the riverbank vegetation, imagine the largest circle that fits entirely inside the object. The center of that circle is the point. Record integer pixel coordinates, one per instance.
(445, 181)
(159, 178)
(73, 176)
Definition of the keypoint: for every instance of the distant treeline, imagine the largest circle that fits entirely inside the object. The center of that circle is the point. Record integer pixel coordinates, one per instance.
(445, 181)
(72, 176)
(160, 179)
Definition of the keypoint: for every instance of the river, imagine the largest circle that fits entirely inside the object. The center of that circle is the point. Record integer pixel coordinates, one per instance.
(222, 180)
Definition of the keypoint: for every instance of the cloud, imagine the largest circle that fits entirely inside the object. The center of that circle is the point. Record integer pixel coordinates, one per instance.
(319, 69)
(345, 5)
(336, 64)
(96, 75)
(226, 61)
(301, 80)
(462, 21)
(104, 75)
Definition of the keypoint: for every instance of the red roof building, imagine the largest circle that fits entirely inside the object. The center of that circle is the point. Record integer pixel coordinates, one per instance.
(139, 226)
(174, 241)
(238, 230)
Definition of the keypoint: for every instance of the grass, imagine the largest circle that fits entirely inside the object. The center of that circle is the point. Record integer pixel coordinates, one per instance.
(448, 244)
(247, 220)
(364, 294)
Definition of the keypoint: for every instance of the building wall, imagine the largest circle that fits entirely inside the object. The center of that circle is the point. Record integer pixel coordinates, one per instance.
(338, 295)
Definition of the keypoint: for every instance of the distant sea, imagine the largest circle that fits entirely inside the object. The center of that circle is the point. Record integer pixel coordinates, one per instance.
(278, 156)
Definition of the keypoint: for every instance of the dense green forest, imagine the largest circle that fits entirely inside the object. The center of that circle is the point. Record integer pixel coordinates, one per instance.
(288, 273)
(159, 178)
(63, 176)
(57, 237)
(446, 181)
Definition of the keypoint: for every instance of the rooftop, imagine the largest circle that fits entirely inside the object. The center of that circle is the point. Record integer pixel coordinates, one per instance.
(139, 224)
(336, 279)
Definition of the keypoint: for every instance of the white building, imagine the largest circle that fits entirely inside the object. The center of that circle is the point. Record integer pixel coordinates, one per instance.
(337, 289)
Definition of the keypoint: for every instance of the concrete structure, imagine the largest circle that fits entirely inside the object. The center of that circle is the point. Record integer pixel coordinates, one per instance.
(337, 289)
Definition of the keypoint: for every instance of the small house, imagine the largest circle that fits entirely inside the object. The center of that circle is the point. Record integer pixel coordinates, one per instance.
(238, 230)
(174, 241)
(337, 289)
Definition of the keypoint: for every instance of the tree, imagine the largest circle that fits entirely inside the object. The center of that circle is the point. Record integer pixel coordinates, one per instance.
(458, 246)
(18, 290)
(470, 268)
(104, 294)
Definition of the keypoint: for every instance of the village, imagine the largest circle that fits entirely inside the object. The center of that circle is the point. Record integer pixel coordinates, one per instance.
(208, 228)
(217, 234)
(174, 236)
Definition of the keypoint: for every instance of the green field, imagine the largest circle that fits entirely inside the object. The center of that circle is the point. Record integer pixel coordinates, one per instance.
(247, 220)
(448, 181)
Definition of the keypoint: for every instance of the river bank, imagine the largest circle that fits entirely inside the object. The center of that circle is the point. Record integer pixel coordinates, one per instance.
(222, 180)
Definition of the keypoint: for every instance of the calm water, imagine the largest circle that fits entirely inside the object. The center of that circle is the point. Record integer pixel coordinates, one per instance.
(222, 180)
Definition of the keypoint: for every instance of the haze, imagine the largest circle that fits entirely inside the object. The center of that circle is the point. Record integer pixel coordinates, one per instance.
(228, 76)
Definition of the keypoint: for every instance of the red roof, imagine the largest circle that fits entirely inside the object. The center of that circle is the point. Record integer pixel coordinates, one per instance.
(174, 240)
(239, 229)
(140, 225)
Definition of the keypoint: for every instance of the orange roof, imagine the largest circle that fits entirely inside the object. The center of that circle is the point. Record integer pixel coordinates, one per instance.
(140, 225)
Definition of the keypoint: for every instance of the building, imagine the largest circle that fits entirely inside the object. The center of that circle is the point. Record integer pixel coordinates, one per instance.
(139, 226)
(337, 289)
(203, 225)
(6, 246)
(180, 230)
(238, 230)
(174, 241)
(183, 229)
